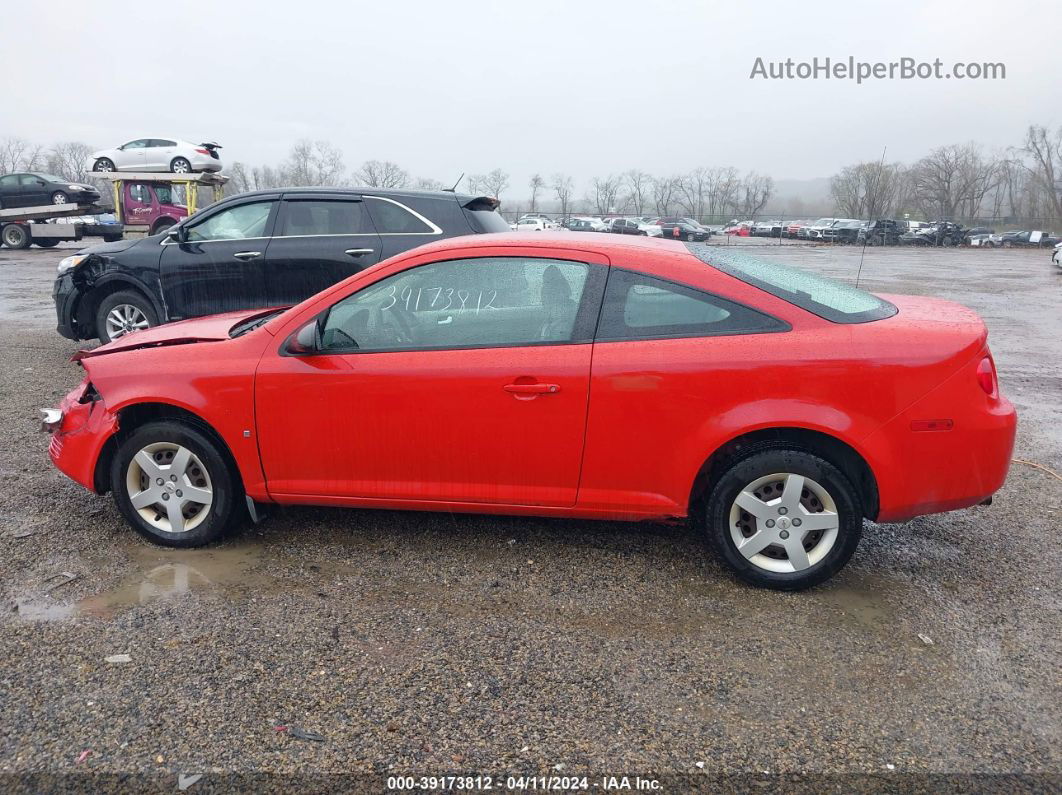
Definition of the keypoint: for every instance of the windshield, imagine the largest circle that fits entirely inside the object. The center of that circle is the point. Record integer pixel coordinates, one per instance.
(829, 299)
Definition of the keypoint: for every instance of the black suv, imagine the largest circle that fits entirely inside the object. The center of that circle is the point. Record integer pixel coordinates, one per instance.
(260, 249)
(883, 232)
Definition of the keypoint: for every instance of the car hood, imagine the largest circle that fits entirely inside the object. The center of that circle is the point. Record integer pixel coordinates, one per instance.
(213, 328)
(110, 248)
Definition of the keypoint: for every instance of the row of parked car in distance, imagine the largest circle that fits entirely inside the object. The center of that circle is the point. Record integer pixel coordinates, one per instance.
(673, 227)
(890, 232)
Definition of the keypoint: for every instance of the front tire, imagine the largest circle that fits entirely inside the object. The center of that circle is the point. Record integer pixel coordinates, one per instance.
(15, 236)
(784, 519)
(180, 165)
(173, 484)
(60, 198)
(123, 312)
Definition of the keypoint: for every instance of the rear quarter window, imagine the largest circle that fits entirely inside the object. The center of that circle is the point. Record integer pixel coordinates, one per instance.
(828, 298)
(639, 307)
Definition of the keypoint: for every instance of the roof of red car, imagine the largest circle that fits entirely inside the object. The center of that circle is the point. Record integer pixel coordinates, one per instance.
(593, 241)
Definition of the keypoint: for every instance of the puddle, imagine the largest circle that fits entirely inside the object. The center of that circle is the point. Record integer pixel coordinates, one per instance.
(159, 575)
(863, 598)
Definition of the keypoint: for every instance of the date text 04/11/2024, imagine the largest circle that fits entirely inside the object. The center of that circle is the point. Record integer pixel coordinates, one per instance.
(522, 783)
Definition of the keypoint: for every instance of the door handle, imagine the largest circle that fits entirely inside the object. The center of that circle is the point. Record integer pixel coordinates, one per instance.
(357, 252)
(246, 255)
(532, 389)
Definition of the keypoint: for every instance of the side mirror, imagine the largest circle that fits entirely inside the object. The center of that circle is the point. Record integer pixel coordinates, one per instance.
(306, 341)
(177, 234)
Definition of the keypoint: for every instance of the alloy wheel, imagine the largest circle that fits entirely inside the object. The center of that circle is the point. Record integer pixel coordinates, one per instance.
(784, 522)
(125, 318)
(181, 166)
(169, 487)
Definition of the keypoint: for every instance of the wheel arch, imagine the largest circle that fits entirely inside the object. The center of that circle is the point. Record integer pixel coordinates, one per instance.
(87, 306)
(163, 222)
(825, 445)
(134, 415)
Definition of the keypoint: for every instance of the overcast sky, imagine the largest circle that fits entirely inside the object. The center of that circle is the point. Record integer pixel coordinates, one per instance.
(583, 88)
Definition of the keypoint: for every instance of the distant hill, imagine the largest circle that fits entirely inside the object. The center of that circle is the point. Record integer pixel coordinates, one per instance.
(800, 197)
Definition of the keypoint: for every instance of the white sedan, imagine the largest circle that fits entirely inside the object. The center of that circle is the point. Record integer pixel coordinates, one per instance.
(531, 225)
(157, 154)
(1057, 256)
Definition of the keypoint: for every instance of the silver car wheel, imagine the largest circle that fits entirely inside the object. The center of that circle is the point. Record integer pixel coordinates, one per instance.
(125, 318)
(181, 166)
(784, 522)
(169, 487)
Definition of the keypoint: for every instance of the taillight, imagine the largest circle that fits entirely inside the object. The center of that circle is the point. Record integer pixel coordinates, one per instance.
(203, 151)
(986, 377)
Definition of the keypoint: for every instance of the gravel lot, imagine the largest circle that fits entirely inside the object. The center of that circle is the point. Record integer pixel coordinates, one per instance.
(425, 644)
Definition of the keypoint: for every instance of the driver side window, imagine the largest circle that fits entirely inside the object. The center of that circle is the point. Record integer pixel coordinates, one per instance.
(473, 303)
(236, 223)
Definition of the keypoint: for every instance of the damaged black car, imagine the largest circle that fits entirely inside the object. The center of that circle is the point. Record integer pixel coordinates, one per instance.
(260, 249)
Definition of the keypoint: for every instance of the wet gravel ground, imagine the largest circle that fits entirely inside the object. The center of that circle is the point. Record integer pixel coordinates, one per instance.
(424, 644)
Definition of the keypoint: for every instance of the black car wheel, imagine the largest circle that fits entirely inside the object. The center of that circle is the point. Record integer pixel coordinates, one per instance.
(174, 485)
(162, 225)
(47, 243)
(784, 519)
(15, 236)
(103, 164)
(123, 312)
(180, 165)
(60, 198)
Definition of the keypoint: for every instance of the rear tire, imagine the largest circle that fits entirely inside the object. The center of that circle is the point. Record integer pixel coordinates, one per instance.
(103, 164)
(47, 243)
(123, 312)
(174, 485)
(180, 165)
(784, 519)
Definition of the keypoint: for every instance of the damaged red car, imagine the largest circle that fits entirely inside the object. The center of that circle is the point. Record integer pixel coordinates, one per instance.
(566, 375)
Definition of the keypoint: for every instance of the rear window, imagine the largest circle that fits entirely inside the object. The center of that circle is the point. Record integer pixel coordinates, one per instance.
(830, 299)
(486, 220)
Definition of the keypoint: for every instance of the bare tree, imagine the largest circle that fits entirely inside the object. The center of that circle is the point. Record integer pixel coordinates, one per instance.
(536, 183)
(427, 183)
(605, 194)
(1044, 149)
(381, 174)
(239, 180)
(563, 188)
(639, 189)
(756, 190)
(868, 190)
(663, 189)
(67, 159)
(723, 188)
(314, 163)
(494, 183)
(18, 154)
(952, 181)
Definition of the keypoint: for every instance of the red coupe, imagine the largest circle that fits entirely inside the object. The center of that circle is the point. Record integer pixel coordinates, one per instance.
(570, 375)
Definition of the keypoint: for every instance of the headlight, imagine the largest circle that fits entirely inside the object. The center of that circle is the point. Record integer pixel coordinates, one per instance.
(71, 262)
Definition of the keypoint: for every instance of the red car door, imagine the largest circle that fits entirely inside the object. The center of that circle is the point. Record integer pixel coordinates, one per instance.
(461, 381)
